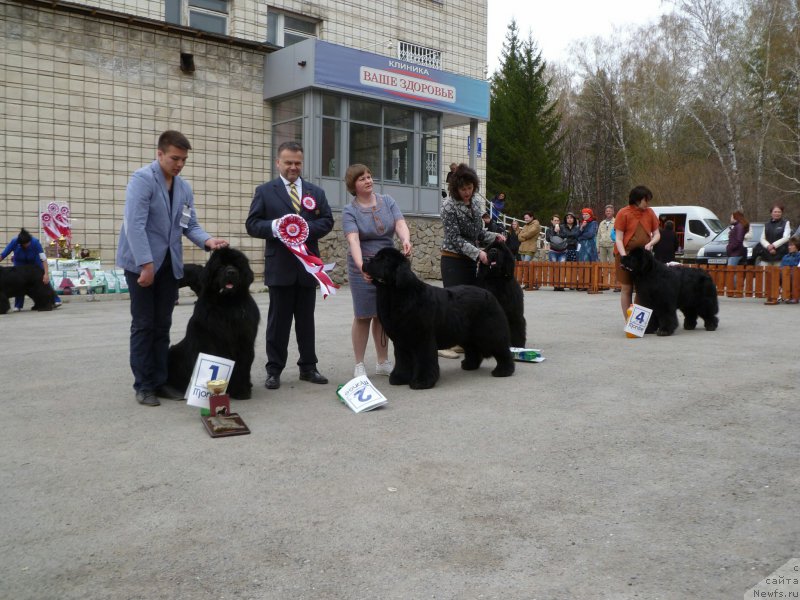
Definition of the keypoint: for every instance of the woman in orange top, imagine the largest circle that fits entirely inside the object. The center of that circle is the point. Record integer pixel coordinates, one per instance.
(636, 226)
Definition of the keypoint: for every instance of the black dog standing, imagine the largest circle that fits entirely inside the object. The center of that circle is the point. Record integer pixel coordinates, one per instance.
(420, 318)
(499, 278)
(224, 323)
(25, 280)
(667, 289)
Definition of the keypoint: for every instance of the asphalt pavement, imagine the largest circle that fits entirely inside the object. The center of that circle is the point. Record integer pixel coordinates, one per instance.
(618, 468)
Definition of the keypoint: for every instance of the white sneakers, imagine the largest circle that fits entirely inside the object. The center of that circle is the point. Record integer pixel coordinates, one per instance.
(15, 309)
(384, 368)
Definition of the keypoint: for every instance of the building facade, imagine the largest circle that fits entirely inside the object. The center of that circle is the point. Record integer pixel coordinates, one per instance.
(88, 87)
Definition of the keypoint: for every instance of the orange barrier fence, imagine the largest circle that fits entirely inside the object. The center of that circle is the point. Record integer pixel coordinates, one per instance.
(770, 283)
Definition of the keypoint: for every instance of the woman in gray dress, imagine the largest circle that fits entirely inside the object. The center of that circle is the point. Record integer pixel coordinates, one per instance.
(370, 223)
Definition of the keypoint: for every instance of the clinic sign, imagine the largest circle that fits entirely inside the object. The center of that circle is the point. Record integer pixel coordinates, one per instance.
(398, 82)
(338, 68)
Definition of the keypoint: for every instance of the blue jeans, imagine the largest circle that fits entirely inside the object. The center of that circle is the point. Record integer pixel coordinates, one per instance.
(526, 257)
(553, 256)
(734, 260)
(151, 319)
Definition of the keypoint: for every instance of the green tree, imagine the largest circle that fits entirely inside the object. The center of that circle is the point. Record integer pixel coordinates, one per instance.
(524, 145)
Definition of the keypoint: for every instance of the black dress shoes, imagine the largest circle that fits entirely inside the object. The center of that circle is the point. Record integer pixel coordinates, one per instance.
(168, 392)
(273, 382)
(147, 398)
(313, 376)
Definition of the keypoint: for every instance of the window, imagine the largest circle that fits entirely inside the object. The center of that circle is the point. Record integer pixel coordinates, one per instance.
(430, 150)
(206, 15)
(331, 135)
(697, 228)
(287, 120)
(285, 30)
(419, 54)
(382, 137)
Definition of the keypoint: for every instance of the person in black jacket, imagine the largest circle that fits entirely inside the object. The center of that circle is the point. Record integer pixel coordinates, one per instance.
(665, 248)
(570, 231)
(512, 238)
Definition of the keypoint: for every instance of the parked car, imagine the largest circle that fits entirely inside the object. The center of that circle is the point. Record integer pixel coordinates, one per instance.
(715, 251)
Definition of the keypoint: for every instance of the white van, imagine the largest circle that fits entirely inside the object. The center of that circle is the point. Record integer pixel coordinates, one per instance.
(695, 226)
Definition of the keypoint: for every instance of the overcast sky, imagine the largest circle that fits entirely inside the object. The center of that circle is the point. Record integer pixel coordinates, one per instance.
(555, 24)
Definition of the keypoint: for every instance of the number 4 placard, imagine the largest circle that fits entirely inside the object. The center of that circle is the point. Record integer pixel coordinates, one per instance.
(206, 368)
(637, 322)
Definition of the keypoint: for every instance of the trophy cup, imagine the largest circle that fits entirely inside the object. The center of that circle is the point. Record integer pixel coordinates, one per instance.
(221, 422)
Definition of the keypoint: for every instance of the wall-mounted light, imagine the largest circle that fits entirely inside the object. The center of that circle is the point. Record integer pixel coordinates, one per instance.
(187, 62)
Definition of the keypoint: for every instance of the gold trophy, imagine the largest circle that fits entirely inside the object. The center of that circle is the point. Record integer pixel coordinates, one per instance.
(221, 422)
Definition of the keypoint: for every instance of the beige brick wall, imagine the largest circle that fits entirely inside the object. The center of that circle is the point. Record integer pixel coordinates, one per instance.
(83, 100)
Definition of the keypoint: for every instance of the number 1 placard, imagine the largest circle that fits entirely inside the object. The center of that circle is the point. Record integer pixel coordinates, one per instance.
(206, 368)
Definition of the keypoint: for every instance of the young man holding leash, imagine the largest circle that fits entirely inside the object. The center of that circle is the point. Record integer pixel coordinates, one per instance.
(159, 210)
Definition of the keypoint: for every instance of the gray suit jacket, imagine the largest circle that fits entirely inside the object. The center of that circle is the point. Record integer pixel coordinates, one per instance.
(149, 228)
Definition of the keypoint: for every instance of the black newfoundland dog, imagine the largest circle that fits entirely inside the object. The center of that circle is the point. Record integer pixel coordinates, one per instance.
(25, 280)
(667, 289)
(224, 323)
(420, 318)
(192, 278)
(499, 278)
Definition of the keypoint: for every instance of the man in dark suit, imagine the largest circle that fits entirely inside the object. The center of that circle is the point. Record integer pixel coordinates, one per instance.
(292, 290)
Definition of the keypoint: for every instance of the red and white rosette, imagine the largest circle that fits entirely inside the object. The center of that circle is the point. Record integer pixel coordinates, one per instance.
(292, 231)
(49, 226)
(308, 203)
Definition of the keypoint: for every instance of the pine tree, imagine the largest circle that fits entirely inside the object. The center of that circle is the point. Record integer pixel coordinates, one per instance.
(523, 145)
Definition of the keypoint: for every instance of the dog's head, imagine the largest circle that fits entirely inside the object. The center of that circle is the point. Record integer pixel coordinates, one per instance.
(390, 268)
(638, 261)
(227, 273)
(501, 262)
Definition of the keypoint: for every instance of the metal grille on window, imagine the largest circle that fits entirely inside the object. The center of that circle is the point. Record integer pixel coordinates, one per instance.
(419, 55)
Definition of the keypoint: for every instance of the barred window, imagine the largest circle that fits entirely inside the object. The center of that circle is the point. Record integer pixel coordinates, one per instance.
(419, 54)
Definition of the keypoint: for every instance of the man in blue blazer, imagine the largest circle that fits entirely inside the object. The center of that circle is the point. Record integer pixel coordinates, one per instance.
(159, 210)
(292, 290)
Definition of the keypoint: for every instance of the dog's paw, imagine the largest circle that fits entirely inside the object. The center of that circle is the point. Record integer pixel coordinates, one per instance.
(503, 370)
(711, 326)
(663, 332)
(470, 363)
(689, 326)
(396, 378)
(422, 384)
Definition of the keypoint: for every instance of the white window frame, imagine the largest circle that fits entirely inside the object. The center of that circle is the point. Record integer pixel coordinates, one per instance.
(281, 29)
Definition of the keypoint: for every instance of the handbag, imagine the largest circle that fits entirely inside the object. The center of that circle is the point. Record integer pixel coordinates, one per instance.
(558, 243)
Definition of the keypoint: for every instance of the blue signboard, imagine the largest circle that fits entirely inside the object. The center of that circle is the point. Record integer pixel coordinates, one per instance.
(391, 78)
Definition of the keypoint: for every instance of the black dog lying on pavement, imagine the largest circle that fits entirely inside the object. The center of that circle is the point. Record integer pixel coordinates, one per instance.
(667, 289)
(224, 323)
(499, 278)
(420, 318)
(25, 280)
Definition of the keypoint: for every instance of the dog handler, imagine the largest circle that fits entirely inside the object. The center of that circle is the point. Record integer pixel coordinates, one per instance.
(27, 251)
(159, 209)
(463, 233)
(635, 226)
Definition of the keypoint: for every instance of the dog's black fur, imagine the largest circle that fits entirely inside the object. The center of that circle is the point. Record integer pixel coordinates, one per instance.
(224, 323)
(667, 289)
(25, 280)
(192, 278)
(420, 318)
(499, 278)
